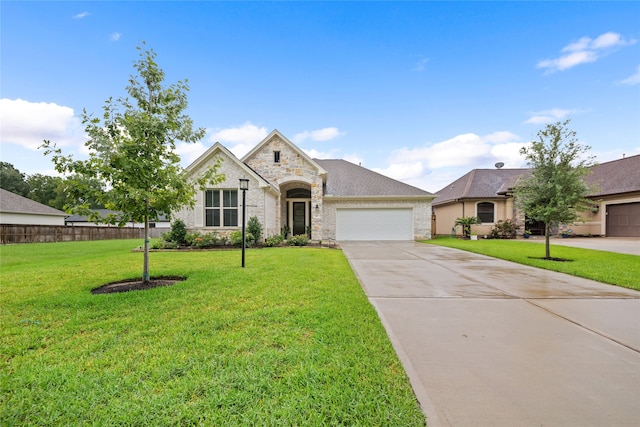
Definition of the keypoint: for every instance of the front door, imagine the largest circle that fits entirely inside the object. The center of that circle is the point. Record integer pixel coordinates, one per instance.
(299, 225)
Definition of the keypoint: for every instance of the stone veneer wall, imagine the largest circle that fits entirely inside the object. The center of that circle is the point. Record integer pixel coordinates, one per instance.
(421, 214)
(260, 202)
(293, 168)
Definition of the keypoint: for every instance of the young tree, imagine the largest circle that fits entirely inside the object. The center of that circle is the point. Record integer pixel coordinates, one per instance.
(555, 191)
(132, 153)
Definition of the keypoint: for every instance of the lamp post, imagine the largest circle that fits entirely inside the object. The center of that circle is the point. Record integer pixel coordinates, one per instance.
(244, 186)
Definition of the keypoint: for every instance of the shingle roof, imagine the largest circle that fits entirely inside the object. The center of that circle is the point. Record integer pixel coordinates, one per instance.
(617, 176)
(478, 184)
(345, 179)
(14, 203)
(614, 177)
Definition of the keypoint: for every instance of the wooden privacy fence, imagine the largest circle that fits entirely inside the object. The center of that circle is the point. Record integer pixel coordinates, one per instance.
(19, 233)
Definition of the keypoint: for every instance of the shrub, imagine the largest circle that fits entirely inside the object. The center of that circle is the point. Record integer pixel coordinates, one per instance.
(178, 232)
(504, 229)
(466, 222)
(236, 238)
(298, 240)
(254, 228)
(274, 240)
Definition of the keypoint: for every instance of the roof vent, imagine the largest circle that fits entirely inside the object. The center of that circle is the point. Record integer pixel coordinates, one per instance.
(499, 165)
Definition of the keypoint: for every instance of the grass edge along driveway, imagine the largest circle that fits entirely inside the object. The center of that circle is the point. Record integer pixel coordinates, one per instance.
(607, 267)
(289, 340)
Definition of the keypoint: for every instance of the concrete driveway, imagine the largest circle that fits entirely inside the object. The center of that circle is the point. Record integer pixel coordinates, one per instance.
(487, 342)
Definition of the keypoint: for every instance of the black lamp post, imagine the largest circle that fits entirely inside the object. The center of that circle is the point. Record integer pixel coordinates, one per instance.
(244, 186)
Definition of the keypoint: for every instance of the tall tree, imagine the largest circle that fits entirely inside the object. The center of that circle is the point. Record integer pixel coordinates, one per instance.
(555, 191)
(11, 179)
(44, 189)
(132, 153)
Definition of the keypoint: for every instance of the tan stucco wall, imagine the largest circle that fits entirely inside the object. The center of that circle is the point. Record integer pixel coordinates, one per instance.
(446, 215)
(421, 214)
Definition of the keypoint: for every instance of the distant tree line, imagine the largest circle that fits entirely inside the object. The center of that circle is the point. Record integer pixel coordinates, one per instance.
(52, 191)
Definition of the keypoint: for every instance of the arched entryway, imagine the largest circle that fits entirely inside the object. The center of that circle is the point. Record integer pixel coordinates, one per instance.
(297, 207)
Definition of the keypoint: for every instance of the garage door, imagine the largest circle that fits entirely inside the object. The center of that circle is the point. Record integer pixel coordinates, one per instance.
(623, 220)
(374, 224)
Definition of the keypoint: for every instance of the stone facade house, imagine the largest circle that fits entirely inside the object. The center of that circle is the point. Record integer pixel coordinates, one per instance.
(485, 193)
(291, 193)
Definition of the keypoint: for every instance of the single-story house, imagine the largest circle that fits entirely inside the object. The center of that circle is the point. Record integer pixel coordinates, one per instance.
(15, 209)
(485, 193)
(82, 220)
(291, 193)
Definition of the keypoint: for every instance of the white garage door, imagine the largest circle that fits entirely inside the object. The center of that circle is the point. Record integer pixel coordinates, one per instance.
(374, 224)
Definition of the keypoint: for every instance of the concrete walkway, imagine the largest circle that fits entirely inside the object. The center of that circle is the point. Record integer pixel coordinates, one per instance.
(487, 342)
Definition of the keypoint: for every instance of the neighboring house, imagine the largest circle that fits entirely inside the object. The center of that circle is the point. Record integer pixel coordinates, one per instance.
(162, 222)
(292, 193)
(485, 193)
(15, 209)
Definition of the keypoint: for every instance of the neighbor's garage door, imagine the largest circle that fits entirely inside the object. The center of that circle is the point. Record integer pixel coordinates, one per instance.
(374, 224)
(623, 220)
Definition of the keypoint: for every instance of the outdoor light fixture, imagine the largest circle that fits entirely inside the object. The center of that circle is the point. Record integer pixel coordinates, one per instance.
(244, 186)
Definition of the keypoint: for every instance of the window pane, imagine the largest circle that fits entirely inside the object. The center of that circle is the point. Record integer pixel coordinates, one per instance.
(230, 198)
(230, 217)
(208, 198)
(485, 212)
(212, 217)
(216, 198)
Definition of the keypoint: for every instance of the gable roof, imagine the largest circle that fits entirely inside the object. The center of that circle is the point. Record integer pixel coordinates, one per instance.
(219, 148)
(345, 179)
(617, 176)
(283, 138)
(14, 203)
(479, 184)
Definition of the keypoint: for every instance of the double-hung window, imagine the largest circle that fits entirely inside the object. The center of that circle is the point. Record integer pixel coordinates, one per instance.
(221, 208)
(486, 212)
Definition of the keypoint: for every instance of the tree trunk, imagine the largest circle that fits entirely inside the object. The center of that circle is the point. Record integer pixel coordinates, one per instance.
(145, 266)
(547, 252)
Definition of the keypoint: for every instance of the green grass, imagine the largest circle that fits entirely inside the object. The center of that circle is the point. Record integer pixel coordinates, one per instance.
(607, 267)
(289, 340)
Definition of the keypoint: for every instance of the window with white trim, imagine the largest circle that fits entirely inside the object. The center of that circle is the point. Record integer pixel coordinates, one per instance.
(485, 211)
(221, 208)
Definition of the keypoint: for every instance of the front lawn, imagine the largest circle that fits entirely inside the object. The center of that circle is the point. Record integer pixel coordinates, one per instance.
(607, 267)
(289, 340)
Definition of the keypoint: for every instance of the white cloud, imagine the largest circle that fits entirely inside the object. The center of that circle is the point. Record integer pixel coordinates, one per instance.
(114, 37)
(548, 116)
(420, 65)
(324, 134)
(27, 124)
(584, 51)
(452, 158)
(81, 15)
(633, 79)
(240, 140)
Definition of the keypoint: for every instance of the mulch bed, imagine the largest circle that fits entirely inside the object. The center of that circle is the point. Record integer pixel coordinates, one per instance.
(136, 285)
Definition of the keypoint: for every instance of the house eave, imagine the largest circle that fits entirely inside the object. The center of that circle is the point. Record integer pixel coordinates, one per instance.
(378, 198)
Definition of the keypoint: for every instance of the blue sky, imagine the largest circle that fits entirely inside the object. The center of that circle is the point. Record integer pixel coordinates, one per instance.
(420, 91)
